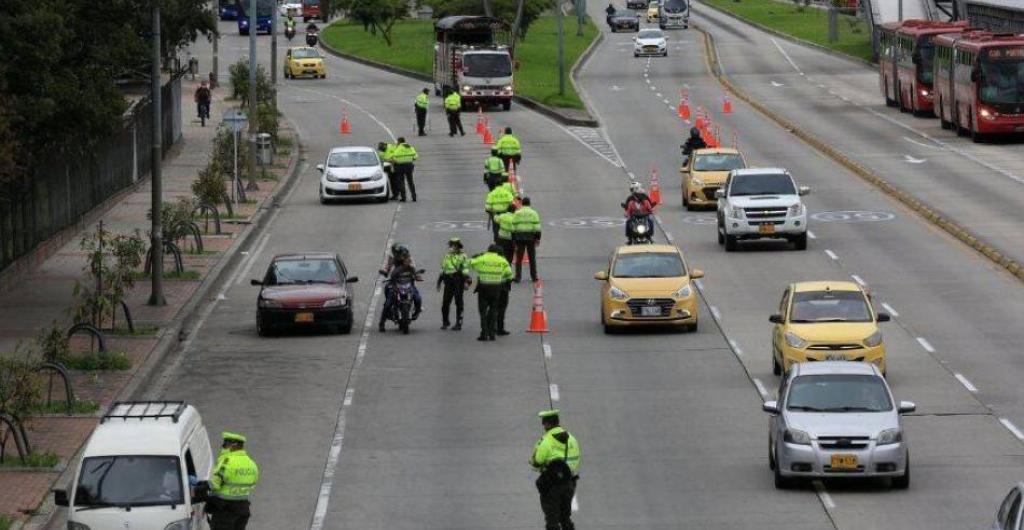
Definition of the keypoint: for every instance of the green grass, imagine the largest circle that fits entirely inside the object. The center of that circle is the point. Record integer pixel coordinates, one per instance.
(413, 45)
(40, 460)
(80, 406)
(146, 330)
(111, 360)
(6, 522)
(172, 274)
(807, 23)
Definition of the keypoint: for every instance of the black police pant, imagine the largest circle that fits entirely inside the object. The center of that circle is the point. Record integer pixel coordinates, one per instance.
(403, 174)
(421, 121)
(392, 182)
(508, 159)
(492, 180)
(454, 286)
(455, 123)
(499, 317)
(526, 247)
(508, 248)
(556, 503)
(488, 297)
(229, 515)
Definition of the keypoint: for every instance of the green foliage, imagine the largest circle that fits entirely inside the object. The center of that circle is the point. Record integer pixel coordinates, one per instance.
(175, 217)
(224, 151)
(34, 460)
(210, 186)
(9, 144)
(79, 406)
(6, 522)
(19, 387)
(112, 261)
(503, 9)
(53, 343)
(239, 76)
(99, 361)
(267, 118)
(374, 15)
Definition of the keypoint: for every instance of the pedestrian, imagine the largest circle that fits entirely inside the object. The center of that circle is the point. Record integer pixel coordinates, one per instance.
(455, 278)
(384, 152)
(453, 108)
(494, 170)
(492, 276)
(526, 234)
(231, 482)
(506, 224)
(203, 99)
(420, 104)
(497, 202)
(557, 457)
(403, 158)
(509, 148)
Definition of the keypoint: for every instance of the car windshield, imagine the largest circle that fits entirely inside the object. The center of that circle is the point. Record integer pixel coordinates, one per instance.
(674, 6)
(129, 481)
(924, 68)
(838, 393)
(303, 271)
(487, 65)
(767, 184)
(306, 53)
(718, 162)
(650, 34)
(1002, 75)
(649, 265)
(352, 159)
(829, 306)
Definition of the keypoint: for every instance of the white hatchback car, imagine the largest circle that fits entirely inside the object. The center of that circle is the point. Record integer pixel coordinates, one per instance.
(352, 173)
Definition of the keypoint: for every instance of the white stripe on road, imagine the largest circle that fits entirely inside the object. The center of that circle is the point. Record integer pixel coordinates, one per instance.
(860, 281)
(788, 58)
(348, 397)
(554, 392)
(735, 347)
(826, 499)
(967, 384)
(1012, 428)
(926, 345)
(714, 311)
(760, 387)
(547, 350)
(811, 235)
(890, 309)
(252, 259)
(831, 254)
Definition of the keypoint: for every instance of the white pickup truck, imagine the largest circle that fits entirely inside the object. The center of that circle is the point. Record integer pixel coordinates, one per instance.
(761, 203)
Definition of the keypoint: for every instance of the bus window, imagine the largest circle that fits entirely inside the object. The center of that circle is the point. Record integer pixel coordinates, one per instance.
(1002, 76)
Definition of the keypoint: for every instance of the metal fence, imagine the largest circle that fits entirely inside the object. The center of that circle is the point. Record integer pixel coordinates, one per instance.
(61, 190)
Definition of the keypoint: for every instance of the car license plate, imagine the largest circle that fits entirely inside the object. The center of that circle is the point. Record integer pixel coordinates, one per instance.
(835, 357)
(303, 318)
(767, 229)
(650, 311)
(355, 186)
(842, 461)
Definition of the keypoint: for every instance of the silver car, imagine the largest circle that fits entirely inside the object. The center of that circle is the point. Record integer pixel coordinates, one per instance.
(837, 419)
(352, 173)
(1009, 515)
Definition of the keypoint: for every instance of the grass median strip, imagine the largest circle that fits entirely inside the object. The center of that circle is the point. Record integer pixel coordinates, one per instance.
(413, 47)
(806, 23)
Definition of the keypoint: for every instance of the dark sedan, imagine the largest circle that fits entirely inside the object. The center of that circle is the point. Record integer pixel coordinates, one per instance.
(304, 290)
(624, 20)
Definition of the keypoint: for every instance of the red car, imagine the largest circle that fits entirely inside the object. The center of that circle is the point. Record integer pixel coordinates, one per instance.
(303, 290)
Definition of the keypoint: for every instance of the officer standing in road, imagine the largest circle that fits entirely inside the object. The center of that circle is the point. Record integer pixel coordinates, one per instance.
(421, 104)
(509, 148)
(557, 457)
(497, 202)
(526, 234)
(494, 170)
(453, 108)
(506, 224)
(403, 158)
(231, 482)
(384, 152)
(455, 278)
(492, 276)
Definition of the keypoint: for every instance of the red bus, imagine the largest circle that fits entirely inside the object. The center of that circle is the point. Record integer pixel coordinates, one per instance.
(905, 62)
(979, 79)
(311, 9)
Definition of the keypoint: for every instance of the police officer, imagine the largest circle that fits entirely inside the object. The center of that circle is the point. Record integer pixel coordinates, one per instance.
(384, 151)
(494, 170)
(231, 482)
(557, 457)
(420, 104)
(509, 148)
(455, 278)
(497, 202)
(453, 108)
(506, 224)
(526, 234)
(492, 276)
(403, 158)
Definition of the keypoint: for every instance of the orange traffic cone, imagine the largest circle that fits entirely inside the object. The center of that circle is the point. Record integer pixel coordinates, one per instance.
(655, 188)
(726, 104)
(345, 127)
(538, 317)
(512, 175)
(488, 139)
(684, 106)
(480, 125)
(701, 121)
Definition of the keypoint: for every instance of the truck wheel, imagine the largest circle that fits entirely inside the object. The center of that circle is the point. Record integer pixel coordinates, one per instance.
(507, 106)
(730, 243)
(800, 241)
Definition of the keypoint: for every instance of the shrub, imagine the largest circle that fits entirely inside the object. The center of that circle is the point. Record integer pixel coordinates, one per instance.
(99, 361)
(19, 387)
(54, 344)
(266, 119)
(224, 151)
(239, 75)
(112, 262)
(210, 186)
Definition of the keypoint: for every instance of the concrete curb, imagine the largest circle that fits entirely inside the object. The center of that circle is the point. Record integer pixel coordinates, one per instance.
(964, 235)
(529, 103)
(790, 38)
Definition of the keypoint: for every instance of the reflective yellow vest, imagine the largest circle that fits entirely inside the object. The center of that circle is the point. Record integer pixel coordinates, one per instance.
(453, 101)
(404, 154)
(491, 268)
(548, 449)
(506, 223)
(494, 164)
(508, 145)
(235, 476)
(527, 221)
(422, 101)
(498, 200)
(453, 262)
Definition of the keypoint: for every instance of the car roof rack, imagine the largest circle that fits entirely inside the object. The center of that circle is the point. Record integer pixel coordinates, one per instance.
(141, 410)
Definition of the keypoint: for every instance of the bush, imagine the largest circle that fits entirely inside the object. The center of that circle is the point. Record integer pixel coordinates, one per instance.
(113, 260)
(99, 361)
(40, 460)
(19, 387)
(224, 150)
(53, 343)
(210, 186)
(239, 74)
(266, 119)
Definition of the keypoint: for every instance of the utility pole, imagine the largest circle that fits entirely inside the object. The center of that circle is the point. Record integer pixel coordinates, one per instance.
(561, 49)
(900, 14)
(156, 237)
(833, 22)
(253, 32)
(216, 41)
(581, 16)
(273, 54)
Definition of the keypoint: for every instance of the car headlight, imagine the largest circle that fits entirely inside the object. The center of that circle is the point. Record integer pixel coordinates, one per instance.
(987, 114)
(467, 88)
(661, 44)
(925, 92)
(697, 182)
(617, 294)
(683, 292)
(378, 175)
(795, 341)
(336, 302)
(797, 209)
(507, 88)
(874, 339)
(796, 436)
(331, 177)
(889, 437)
(183, 524)
(737, 213)
(263, 302)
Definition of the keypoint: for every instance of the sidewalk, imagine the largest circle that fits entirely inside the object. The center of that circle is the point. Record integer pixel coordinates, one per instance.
(45, 295)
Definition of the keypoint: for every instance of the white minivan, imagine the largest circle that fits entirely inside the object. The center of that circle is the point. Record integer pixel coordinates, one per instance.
(137, 470)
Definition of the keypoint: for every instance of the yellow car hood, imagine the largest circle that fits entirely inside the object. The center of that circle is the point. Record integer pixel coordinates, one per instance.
(650, 287)
(712, 178)
(834, 332)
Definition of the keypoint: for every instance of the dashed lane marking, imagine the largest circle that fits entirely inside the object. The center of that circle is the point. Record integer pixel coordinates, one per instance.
(547, 350)
(826, 499)
(925, 344)
(811, 235)
(554, 392)
(890, 309)
(736, 347)
(760, 387)
(788, 58)
(717, 315)
(1012, 428)
(967, 383)
(831, 255)
(860, 281)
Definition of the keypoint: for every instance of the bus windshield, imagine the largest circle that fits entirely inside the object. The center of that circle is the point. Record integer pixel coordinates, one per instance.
(926, 49)
(264, 8)
(1002, 75)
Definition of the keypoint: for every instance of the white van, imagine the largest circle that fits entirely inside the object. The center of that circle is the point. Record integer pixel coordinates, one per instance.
(136, 470)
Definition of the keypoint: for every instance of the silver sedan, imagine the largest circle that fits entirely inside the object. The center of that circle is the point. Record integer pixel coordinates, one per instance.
(837, 419)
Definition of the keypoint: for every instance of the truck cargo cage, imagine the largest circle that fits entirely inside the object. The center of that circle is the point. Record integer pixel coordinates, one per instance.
(142, 410)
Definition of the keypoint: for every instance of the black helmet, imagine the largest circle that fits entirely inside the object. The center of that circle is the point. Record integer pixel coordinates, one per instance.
(398, 249)
(694, 132)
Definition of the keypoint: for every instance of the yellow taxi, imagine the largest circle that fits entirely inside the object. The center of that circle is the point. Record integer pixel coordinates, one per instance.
(648, 285)
(652, 12)
(826, 321)
(705, 173)
(303, 61)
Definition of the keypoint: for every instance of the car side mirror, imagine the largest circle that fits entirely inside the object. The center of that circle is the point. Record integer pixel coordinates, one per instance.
(804, 190)
(696, 274)
(776, 319)
(200, 492)
(320, 168)
(719, 193)
(884, 317)
(60, 498)
(255, 282)
(352, 279)
(906, 407)
(771, 407)
(601, 275)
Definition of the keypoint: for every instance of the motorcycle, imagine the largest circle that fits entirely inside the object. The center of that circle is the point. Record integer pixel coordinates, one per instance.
(289, 33)
(204, 112)
(312, 38)
(402, 307)
(639, 229)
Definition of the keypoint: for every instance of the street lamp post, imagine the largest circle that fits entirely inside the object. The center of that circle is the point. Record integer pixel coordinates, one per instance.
(156, 236)
(561, 49)
(253, 32)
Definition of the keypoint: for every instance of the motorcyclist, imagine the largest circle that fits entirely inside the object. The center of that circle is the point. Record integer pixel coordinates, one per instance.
(289, 27)
(692, 143)
(312, 34)
(610, 10)
(312, 28)
(399, 269)
(203, 100)
(640, 205)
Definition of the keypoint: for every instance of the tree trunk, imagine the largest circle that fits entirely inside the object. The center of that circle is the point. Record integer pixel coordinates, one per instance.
(487, 8)
(519, 21)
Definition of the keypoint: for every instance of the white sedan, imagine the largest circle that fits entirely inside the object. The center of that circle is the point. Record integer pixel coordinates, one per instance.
(352, 173)
(650, 42)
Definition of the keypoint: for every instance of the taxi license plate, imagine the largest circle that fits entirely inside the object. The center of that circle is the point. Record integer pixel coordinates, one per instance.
(650, 311)
(835, 357)
(767, 229)
(842, 461)
(303, 318)
(355, 186)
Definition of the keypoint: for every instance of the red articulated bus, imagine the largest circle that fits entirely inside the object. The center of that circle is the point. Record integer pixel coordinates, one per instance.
(979, 80)
(905, 62)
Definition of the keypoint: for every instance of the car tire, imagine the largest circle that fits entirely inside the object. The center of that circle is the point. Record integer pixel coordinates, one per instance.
(800, 241)
(692, 328)
(939, 111)
(776, 367)
(730, 243)
(721, 238)
(781, 482)
(346, 328)
(976, 136)
(262, 329)
(323, 199)
(613, 29)
(506, 106)
(902, 482)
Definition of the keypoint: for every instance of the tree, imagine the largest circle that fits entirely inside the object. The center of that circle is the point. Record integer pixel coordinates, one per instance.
(374, 15)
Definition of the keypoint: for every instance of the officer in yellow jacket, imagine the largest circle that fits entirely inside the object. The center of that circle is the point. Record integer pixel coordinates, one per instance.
(453, 108)
(384, 152)
(494, 170)
(421, 104)
(509, 148)
(493, 275)
(454, 278)
(557, 457)
(231, 483)
(496, 203)
(506, 224)
(403, 158)
(526, 234)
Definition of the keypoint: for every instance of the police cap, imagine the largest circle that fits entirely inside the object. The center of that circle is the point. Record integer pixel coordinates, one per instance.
(545, 414)
(232, 437)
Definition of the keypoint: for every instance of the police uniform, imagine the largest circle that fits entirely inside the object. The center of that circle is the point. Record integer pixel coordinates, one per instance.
(556, 492)
(454, 273)
(493, 274)
(386, 156)
(506, 223)
(509, 149)
(453, 108)
(421, 104)
(497, 202)
(494, 171)
(234, 477)
(403, 158)
(526, 234)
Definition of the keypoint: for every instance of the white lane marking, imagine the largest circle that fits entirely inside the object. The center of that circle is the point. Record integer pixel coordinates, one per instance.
(967, 384)
(653, 88)
(1012, 428)
(668, 236)
(575, 505)
(860, 281)
(760, 387)
(926, 146)
(788, 58)
(826, 499)
(821, 86)
(353, 105)
(890, 309)
(777, 85)
(592, 148)
(811, 235)
(348, 397)
(926, 345)
(700, 284)
(831, 255)
(714, 311)
(253, 256)
(658, 95)
(547, 350)
(665, 101)
(911, 160)
(736, 347)
(554, 392)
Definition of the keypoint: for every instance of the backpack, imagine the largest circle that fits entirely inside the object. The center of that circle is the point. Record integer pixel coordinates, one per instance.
(556, 473)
